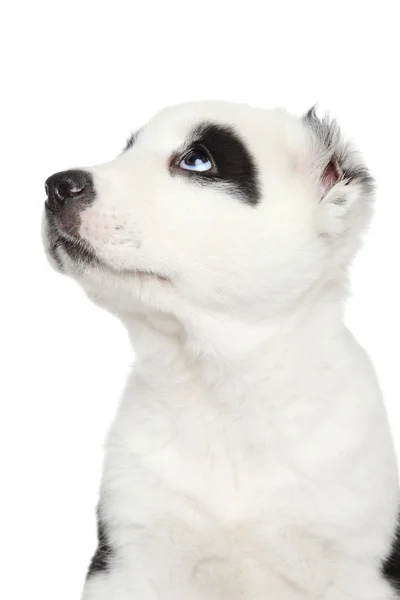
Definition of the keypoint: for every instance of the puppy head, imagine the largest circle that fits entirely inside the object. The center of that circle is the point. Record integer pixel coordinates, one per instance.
(215, 206)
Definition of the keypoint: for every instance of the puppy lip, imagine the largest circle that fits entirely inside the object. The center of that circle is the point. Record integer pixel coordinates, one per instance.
(65, 238)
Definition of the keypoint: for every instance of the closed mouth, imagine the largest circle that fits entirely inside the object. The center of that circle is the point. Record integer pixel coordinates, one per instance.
(80, 251)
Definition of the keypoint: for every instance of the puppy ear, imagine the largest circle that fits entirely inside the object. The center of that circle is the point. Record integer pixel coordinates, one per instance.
(331, 175)
(345, 186)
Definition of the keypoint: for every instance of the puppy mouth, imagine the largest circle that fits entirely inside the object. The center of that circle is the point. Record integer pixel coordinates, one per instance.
(82, 253)
(78, 250)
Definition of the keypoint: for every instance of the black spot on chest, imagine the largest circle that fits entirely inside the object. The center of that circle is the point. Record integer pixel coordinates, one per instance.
(391, 565)
(104, 553)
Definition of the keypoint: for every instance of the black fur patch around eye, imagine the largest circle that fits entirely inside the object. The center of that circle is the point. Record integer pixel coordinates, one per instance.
(233, 164)
(101, 559)
(391, 565)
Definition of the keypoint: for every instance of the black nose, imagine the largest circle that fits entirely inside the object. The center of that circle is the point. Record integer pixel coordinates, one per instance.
(66, 185)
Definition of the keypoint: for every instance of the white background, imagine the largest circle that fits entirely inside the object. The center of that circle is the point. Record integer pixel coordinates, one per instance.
(77, 78)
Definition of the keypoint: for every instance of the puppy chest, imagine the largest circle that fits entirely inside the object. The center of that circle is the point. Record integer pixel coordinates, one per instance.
(230, 467)
(230, 478)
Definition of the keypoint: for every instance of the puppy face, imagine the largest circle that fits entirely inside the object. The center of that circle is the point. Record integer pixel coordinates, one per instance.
(211, 205)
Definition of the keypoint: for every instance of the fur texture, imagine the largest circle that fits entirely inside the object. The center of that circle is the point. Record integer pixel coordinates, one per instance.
(250, 456)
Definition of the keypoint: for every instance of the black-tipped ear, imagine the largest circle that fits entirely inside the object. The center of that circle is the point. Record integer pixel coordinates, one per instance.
(344, 185)
(335, 161)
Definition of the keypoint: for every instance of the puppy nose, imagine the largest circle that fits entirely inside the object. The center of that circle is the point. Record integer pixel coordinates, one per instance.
(64, 186)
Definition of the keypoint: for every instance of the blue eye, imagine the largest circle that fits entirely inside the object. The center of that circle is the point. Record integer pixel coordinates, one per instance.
(196, 160)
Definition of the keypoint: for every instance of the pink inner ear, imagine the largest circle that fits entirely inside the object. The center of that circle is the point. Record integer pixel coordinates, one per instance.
(331, 175)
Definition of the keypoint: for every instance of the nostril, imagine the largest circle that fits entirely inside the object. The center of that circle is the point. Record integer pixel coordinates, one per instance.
(67, 189)
(61, 191)
(74, 191)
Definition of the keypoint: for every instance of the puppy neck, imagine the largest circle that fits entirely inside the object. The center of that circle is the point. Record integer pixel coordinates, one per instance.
(222, 345)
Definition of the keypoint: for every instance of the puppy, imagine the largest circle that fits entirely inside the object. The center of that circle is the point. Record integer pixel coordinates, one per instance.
(250, 457)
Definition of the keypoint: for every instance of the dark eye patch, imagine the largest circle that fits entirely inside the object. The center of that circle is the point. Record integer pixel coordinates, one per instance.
(233, 163)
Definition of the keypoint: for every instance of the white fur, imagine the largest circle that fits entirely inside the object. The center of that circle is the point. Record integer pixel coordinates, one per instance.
(250, 456)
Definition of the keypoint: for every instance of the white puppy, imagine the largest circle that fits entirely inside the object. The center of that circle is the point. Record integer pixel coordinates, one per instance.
(250, 457)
